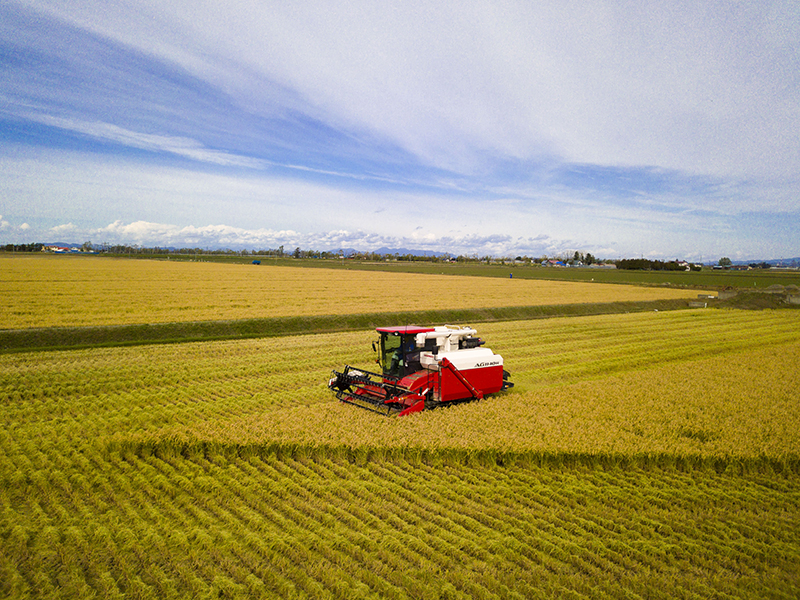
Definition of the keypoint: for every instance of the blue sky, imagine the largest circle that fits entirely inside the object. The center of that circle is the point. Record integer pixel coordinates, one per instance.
(660, 129)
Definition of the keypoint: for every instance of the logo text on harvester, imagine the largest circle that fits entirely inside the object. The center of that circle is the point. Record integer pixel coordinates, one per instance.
(486, 364)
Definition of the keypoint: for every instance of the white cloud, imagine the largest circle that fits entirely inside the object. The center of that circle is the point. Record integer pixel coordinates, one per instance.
(702, 87)
(104, 200)
(160, 234)
(150, 234)
(7, 228)
(63, 228)
(180, 146)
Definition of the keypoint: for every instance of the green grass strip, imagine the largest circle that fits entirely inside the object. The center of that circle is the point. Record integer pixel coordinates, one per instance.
(60, 338)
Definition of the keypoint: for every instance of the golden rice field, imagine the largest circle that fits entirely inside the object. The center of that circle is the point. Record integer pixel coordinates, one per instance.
(66, 291)
(699, 382)
(649, 455)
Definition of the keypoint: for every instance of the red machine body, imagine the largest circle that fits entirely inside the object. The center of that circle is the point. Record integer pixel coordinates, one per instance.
(423, 367)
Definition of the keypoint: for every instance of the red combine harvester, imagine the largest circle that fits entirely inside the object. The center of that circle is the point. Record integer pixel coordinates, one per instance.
(423, 367)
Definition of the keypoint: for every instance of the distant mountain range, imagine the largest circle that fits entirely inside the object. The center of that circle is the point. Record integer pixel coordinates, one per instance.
(390, 252)
(406, 251)
(343, 251)
(774, 262)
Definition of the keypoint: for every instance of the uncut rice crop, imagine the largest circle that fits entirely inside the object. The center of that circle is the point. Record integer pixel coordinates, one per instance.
(708, 383)
(687, 383)
(734, 405)
(61, 291)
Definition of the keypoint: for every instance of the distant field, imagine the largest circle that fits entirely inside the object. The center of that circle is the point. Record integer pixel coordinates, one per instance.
(64, 291)
(643, 455)
(706, 278)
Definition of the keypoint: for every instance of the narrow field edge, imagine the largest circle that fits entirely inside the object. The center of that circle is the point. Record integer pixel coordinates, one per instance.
(171, 447)
(70, 338)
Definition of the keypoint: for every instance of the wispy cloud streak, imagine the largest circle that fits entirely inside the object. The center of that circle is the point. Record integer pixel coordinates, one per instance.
(181, 146)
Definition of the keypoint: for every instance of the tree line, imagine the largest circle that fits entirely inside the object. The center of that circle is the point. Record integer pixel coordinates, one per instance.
(644, 264)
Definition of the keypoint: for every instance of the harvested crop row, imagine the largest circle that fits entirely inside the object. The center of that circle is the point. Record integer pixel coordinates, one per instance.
(276, 528)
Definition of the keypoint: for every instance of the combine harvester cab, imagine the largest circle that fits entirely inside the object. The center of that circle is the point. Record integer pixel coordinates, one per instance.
(423, 367)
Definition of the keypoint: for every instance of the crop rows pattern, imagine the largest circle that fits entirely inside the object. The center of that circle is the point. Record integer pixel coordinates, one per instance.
(115, 525)
(225, 469)
(65, 291)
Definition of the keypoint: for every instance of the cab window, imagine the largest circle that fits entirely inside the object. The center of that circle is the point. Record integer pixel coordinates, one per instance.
(392, 354)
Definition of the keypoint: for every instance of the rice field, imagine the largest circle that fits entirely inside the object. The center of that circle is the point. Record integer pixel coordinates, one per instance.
(647, 455)
(615, 383)
(67, 291)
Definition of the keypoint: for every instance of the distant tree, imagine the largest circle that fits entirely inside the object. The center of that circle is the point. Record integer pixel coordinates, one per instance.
(37, 247)
(725, 262)
(634, 264)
